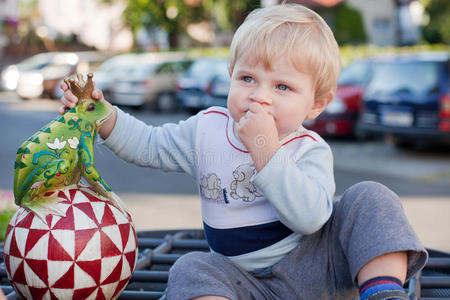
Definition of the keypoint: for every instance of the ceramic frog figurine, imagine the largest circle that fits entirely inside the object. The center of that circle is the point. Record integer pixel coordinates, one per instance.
(60, 154)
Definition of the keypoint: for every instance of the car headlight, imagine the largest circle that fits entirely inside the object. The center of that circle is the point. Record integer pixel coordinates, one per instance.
(10, 77)
(337, 106)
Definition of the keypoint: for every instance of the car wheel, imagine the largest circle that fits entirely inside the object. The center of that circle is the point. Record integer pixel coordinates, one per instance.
(166, 103)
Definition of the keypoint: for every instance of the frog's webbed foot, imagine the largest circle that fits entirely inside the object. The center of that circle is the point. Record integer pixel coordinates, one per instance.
(117, 202)
(110, 196)
(46, 206)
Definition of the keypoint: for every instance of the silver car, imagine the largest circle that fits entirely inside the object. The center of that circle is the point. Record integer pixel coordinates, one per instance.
(151, 79)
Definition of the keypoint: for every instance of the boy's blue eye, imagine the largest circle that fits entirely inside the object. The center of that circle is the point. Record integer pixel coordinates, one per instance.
(247, 79)
(282, 87)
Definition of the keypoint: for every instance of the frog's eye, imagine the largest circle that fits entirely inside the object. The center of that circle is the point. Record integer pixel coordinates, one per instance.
(91, 107)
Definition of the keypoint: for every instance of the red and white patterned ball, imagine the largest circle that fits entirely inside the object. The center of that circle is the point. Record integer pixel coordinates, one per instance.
(88, 254)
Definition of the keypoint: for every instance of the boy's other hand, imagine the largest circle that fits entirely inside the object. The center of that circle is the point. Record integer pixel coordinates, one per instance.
(258, 132)
(69, 100)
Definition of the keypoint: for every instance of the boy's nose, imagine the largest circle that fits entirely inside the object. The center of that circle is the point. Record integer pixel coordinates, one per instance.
(261, 96)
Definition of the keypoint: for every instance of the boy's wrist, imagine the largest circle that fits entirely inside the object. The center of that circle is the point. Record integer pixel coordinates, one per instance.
(107, 127)
(263, 155)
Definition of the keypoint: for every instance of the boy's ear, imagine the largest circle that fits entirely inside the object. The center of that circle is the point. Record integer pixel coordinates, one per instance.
(320, 104)
(229, 70)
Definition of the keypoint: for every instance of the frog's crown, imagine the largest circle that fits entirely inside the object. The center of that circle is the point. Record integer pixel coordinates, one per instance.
(82, 90)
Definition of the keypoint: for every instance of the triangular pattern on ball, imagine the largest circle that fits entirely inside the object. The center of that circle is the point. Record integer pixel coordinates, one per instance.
(92, 268)
(67, 281)
(109, 289)
(33, 237)
(132, 242)
(39, 293)
(58, 269)
(113, 232)
(109, 248)
(38, 268)
(61, 294)
(114, 276)
(21, 243)
(67, 223)
(99, 210)
(119, 216)
(84, 280)
(23, 290)
(26, 221)
(13, 248)
(19, 274)
(57, 251)
(87, 246)
(88, 210)
(108, 265)
(92, 249)
(40, 248)
(82, 220)
(14, 263)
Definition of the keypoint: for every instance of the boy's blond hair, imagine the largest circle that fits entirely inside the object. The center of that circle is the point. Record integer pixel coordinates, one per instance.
(294, 31)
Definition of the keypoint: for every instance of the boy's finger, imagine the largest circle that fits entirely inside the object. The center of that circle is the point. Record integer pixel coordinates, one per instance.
(255, 107)
(62, 109)
(64, 86)
(70, 97)
(97, 94)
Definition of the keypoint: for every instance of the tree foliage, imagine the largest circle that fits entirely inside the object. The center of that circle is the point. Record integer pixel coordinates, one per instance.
(348, 25)
(171, 15)
(175, 15)
(438, 28)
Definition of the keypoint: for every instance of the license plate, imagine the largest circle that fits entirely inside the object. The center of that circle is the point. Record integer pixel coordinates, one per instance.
(392, 118)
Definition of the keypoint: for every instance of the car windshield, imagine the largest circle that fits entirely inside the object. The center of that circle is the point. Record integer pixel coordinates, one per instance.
(205, 69)
(404, 77)
(140, 71)
(113, 63)
(355, 73)
(38, 61)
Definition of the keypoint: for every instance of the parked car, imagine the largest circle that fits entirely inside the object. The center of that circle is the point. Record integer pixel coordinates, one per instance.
(10, 74)
(216, 92)
(193, 83)
(407, 98)
(340, 117)
(151, 79)
(44, 78)
(112, 69)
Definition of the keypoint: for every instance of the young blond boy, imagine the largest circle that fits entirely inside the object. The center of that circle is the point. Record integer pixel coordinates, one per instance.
(266, 183)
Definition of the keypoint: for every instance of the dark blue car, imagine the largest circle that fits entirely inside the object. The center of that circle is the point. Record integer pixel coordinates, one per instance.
(407, 99)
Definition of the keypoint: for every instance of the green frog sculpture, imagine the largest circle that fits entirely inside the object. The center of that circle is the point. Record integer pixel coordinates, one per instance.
(60, 154)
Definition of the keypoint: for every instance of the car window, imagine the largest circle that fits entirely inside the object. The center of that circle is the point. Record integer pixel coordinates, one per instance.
(141, 71)
(355, 73)
(182, 66)
(404, 77)
(204, 69)
(164, 68)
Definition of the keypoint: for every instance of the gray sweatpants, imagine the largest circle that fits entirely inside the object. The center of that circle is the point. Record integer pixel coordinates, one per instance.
(367, 221)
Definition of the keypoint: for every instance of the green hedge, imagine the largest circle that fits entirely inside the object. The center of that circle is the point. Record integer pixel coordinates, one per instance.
(5, 217)
(349, 53)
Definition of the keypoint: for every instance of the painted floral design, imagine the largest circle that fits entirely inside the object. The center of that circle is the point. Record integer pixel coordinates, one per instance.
(73, 142)
(57, 144)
